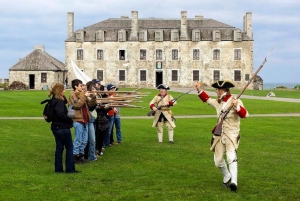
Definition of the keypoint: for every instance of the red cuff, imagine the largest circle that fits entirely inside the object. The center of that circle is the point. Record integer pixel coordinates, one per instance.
(151, 106)
(242, 113)
(204, 96)
(170, 103)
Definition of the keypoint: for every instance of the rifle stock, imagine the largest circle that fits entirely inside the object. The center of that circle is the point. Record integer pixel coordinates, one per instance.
(218, 128)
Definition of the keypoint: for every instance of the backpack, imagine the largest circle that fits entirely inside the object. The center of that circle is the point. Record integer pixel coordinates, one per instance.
(48, 112)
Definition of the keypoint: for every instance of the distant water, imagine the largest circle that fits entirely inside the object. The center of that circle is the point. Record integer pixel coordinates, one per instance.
(273, 85)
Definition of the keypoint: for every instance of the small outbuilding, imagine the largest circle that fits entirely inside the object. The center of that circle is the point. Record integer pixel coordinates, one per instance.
(38, 70)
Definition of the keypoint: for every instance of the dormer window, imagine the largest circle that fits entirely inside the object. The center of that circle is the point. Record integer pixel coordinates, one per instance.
(100, 36)
(122, 36)
(174, 36)
(196, 35)
(143, 36)
(79, 36)
(237, 35)
(216, 35)
(159, 35)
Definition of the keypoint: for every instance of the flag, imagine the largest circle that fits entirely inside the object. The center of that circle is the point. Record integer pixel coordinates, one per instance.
(79, 74)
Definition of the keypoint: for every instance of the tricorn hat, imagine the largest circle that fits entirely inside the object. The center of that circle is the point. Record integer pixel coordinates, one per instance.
(222, 84)
(161, 86)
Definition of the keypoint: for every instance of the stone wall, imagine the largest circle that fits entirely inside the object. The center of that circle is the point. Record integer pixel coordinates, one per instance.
(185, 63)
(24, 76)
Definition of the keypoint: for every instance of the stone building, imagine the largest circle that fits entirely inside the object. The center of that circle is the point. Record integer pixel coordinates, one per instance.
(38, 70)
(145, 52)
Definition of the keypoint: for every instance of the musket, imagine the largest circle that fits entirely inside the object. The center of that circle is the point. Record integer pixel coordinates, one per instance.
(152, 113)
(218, 128)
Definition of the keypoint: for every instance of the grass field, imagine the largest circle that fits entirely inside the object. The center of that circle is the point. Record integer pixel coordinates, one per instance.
(141, 168)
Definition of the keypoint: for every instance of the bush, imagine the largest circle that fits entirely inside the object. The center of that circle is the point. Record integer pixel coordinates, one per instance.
(3, 85)
(297, 86)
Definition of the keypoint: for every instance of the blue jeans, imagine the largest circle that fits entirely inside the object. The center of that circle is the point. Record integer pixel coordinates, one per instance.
(80, 138)
(118, 129)
(63, 138)
(91, 139)
(108, 133)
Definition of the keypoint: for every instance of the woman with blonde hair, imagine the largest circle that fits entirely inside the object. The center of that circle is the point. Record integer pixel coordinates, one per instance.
(60, 127)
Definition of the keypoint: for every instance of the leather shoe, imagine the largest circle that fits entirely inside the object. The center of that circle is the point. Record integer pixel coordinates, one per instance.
(233, 187)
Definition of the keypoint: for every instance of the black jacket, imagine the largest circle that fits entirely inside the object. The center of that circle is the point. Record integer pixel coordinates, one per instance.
(61, 120)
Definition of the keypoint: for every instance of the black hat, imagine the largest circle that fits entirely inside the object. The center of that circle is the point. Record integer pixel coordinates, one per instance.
(96, 81)
(110, 86)
(222, 84)
(161, 86)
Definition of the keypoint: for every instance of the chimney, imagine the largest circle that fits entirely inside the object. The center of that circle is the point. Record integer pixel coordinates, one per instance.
(248, 24)
(70, 24)
(183, 26)
(134, 26)
(199, 17)
(39, 47)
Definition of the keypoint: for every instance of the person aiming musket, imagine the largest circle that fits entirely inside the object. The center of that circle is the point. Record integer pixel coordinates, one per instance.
(226, 134)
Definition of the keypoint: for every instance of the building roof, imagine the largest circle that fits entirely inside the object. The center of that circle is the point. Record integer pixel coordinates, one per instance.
(112, 25)
(38, 60)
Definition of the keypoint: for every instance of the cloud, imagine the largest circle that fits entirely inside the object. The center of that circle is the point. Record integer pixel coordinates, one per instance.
(25, 24)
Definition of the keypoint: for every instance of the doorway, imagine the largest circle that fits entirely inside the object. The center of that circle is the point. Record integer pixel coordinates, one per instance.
(31, 81)
(159, 78)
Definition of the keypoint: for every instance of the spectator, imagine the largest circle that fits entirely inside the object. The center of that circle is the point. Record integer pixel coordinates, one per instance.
(60, 127)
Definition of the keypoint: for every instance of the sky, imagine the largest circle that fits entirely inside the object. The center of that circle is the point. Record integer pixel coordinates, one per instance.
(24, 24)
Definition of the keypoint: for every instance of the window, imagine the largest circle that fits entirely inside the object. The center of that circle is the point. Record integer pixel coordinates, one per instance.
(174, 35)
(43, 77)
(143, 35)
(121, 75)
(142, 54)
(99, 54)
(100, 75)
(216, 35)
(196, 35)
(216, 55)
(100, 36)
(196, 54)
(121, 54)
(247, 77)
(174, 54)
(174, 75)
(216, 75)
(158, 54)
(196, 75)
(237, 75)
(143, 75)
(122, 36)
(80, 54)
(159, 35)
(237, 54)
(158, 65)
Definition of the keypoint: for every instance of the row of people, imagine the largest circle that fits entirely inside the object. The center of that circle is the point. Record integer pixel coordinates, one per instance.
(93, 123)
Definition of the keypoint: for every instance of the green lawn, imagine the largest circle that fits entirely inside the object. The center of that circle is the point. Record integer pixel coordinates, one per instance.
(143, 169)
(27, 103)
